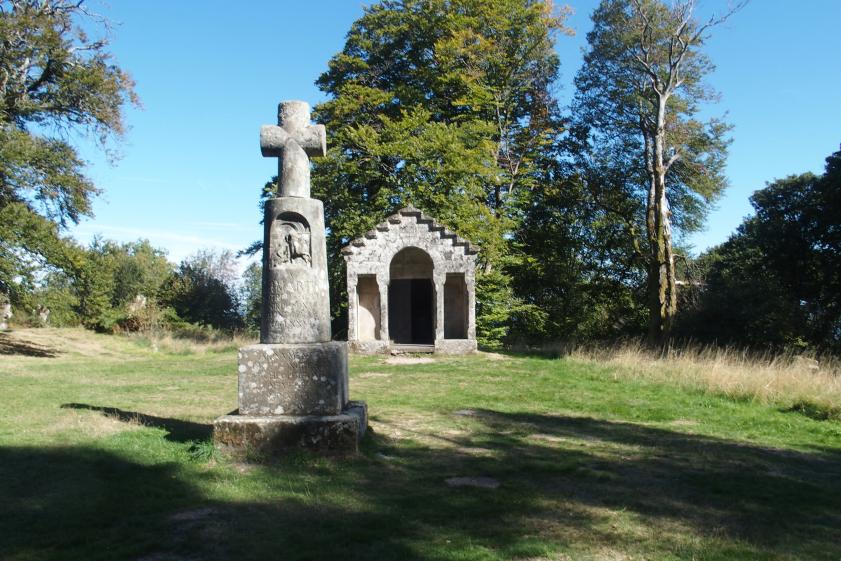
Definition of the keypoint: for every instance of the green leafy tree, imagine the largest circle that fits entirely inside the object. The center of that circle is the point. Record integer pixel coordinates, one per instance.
(54, 80)
(95, 284)
(57, 293)
(578, 266)
(252, 296)
(202, 290)
(446, 105)
(645, 153)
(139, 269)
(112, 275)
(31, 244)
(777, 281)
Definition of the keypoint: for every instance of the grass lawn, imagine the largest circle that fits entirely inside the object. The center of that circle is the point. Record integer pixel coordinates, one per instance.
(105, 455)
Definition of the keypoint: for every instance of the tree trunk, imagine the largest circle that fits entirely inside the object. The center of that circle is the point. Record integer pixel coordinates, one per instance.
(662, 291)
(662, 294)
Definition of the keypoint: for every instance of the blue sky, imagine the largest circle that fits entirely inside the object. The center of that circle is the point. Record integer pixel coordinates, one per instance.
(209, 75)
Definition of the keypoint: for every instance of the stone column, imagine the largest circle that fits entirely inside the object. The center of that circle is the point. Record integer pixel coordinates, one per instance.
(353, 308)
(296, 294)
(382, 284)
(439, 280)
(470, 281)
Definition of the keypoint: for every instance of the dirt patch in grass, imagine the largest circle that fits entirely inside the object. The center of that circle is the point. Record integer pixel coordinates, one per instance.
(480, 482)
(50, 342)
(684, 423)
(548, 438)
(15, 343)
(469, 413)
(493, 356)
(476, 451)
(91, 424)
(374, 375)
(408, 360)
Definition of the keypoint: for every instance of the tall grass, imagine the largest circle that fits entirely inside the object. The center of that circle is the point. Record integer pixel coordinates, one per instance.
(808, 384)
(181, 343)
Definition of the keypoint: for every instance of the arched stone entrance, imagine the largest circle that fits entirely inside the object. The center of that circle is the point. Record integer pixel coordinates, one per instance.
(411, 298)
(410, 286)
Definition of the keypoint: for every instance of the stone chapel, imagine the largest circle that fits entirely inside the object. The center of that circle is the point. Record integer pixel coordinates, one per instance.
(411, 287)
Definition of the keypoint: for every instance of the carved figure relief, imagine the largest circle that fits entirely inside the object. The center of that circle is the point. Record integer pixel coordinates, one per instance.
(291, 241)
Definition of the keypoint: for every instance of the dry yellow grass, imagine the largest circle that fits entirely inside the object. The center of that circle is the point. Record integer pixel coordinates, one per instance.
(180, 345)
(49, 341)
(787, 380)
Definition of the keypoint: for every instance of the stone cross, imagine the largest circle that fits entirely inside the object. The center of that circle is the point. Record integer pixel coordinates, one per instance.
(293, 386)
(294, 141)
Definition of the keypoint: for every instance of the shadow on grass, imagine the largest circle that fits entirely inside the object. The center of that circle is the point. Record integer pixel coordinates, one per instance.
(565, 482)
(815, 411)
(763, 495)
(178, 430)
(10, 345)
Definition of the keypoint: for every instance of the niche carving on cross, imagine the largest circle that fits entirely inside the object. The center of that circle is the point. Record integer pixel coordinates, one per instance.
(291, 243)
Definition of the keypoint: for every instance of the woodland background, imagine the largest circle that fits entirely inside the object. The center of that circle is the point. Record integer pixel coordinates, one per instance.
(581, 212)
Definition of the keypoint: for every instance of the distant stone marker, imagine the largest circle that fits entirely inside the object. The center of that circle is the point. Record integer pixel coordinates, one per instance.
(43, 315)
(5, 315)
(293, 386)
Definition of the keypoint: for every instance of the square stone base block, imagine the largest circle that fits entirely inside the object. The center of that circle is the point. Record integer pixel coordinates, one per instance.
(272, 435)
(293, 379)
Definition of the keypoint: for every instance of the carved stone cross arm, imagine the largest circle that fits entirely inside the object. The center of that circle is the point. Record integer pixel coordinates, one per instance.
(294, 140)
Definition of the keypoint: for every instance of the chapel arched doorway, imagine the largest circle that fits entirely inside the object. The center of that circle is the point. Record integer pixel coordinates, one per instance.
(411, 298)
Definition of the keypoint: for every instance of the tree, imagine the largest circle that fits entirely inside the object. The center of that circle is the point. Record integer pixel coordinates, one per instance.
(57, 293)
(444, 104)
(54, 80)
(96, 285)
(252, 296)
(642, 148)
(576, 268)
(202, 290)
(112, 275)
(30, 244)
(777, 281)
(140, 269)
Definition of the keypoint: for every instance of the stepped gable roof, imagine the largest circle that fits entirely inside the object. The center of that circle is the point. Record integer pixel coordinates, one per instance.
(421, 218)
